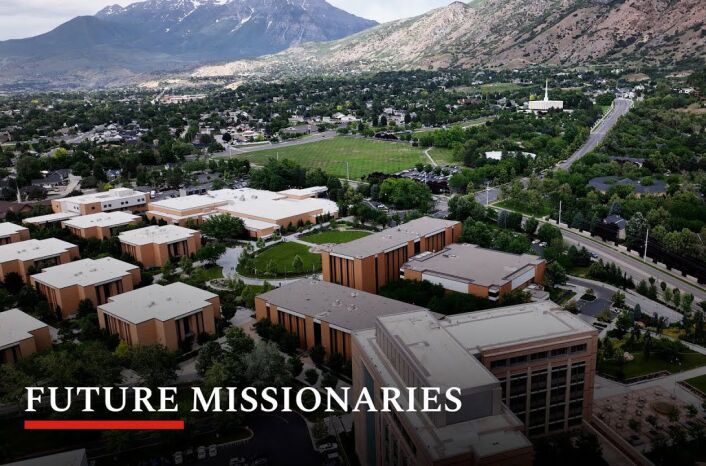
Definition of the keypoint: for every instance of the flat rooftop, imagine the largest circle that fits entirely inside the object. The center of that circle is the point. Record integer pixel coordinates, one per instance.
(280, 209)
(85, 272)
(392, 238)
(156, 234)
(116, 193)
(102, 220)
(513, 325)
(473, 264)
(33, 249)
(15, 326)
(195, 201)
(42, 219)
(313, 191)
(7, 229)
(158, 302)
(439, 358)
(342, 307)
(69, 458)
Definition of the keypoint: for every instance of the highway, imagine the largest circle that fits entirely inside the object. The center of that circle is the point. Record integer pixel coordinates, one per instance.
(620, 108)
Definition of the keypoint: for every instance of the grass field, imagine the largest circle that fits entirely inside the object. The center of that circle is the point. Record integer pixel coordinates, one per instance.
(282, 256)
(641, 366)
(335, 236)
(509, 204)
(698, 383)
(364, 156)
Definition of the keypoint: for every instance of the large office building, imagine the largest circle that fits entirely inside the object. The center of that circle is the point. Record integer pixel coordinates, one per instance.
(11, 233)
(262, 212)
(33, 255)
(171, 315)
(523, 371)
(468, 268)
(153, 246)
(125, 199)
(102, 225)
(21, 335)
(369, 263)
(325, 314)
(66, 285)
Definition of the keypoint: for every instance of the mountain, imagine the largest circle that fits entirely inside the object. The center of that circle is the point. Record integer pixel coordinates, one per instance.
(505, 33)
(162, 35)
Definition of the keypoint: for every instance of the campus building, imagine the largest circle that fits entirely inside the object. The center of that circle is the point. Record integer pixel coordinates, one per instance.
(468, 268)
(11, 233)
(65, 286)
(325, 314)
(153, 246)
(523, 371)
(263, 212)
(50, 220)
(21, 335)
(102, 225)
(172, 316)
(369, 263)
(34, 255)
(125, 199)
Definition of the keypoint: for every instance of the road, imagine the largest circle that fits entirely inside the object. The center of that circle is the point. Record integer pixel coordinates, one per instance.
(621, 107)
(314, 137)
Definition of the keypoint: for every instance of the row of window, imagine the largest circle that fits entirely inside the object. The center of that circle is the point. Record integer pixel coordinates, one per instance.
(538, 356)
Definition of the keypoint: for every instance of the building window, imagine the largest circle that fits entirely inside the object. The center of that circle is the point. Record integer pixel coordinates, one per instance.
(579, 348)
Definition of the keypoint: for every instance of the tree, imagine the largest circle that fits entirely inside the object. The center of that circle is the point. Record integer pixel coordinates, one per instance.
(311, 376)
(186, 265)
(298, 264)
(618, 299)
(223, 227)
(239, 342)
(406, 194)
(635, 231)
(155, 364)
(210, 253)
(13, 282)
(168, 270)
(329, 380)
(209, 354)
(531, 225)
(548, 232)
(295, 366)
(317, 354)
(555, 275)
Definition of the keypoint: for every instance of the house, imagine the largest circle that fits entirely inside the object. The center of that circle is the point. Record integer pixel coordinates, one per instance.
(616, 223)
(172, 316)
(66, 285)
(21, 335)
(153, 246)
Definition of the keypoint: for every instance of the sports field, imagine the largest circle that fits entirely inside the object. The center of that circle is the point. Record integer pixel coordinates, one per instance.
(364, 156)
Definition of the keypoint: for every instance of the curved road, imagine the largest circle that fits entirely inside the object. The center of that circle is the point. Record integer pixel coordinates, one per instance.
(620, 108)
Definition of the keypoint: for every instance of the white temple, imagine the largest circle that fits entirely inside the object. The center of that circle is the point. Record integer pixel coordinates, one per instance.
(546, 104)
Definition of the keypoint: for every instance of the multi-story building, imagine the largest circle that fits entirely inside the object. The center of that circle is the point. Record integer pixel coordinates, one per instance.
(11, 233)
(21, 335)
(102, 225)
(262, 212)
(33, 255)
(65, 286)
(325, 314)
(172, 315)
(523, 370)
(153, 246)
(544, 358)
(50, 220)
(125, 199)
(68, 458)
(369, 263)
(468, 268)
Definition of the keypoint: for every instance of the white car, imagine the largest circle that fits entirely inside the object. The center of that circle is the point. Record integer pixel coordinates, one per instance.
(542, 245)
(212, 451)
(236, 462)
(327, 447)
(178, 458)
(201, 453)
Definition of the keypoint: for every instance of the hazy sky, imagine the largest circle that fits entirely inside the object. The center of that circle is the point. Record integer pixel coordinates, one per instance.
(26, 18)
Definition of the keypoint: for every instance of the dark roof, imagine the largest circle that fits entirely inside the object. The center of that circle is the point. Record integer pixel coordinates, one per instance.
(604, 183)
(16, 207)
(616, 220)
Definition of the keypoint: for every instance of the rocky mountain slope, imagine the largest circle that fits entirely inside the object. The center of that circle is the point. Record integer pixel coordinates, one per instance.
(506, 33)
(161, 35)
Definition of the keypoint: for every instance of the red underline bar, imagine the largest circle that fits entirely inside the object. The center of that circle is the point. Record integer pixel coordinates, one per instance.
(104, 425)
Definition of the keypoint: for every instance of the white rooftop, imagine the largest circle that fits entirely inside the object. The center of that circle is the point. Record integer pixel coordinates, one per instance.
(524, 323)
(33, 249)
(280, 209)
(15, 326)
(156, 234)
(313, 191)
(116, 193)
(7, 229)
(42, 219)
(102, 220)
(196, 201)
(158, 302)
(85, 272)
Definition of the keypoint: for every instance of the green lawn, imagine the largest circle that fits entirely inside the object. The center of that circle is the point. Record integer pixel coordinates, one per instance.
(641, 366)
(335, 236)
(442, 156)
(698, 383)
(282, 256)
(364, 156)
(214, 272)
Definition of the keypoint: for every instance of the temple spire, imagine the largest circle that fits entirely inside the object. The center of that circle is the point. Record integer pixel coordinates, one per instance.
(546, 91)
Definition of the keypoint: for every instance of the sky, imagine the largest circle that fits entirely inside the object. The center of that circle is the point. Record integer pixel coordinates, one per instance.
(26, 18)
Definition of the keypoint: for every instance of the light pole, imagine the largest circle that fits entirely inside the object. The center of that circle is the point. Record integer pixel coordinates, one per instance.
(559, 223)
(487, 193)
(647, 237)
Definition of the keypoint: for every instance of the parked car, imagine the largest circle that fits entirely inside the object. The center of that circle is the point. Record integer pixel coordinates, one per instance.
(237, 462)
(260, 462)
(201, 453)
(327, 447)
(212, 451)
(178, 458)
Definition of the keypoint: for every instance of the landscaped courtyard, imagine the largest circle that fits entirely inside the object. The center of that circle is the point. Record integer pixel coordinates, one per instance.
(279, 261)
